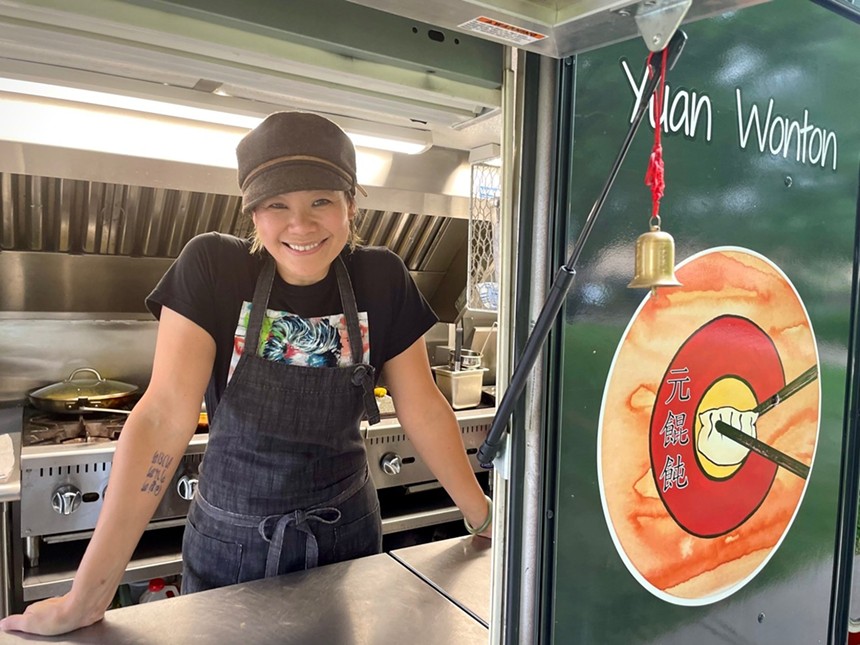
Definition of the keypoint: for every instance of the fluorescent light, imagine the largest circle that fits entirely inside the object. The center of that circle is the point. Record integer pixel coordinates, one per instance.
(367, 135)
(80, 127)
(134, 103)
(384, 143)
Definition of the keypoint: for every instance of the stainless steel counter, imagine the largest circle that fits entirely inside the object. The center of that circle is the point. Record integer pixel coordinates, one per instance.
(457, 568)
(414, 595)
(10, 491)
(10, 423)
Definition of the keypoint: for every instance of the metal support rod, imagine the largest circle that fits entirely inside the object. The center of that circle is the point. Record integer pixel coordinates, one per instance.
(564, 276)
(5, 562)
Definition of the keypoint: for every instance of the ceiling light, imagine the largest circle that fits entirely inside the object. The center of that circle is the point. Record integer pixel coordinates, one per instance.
(386, 143)
(363, 134)
(29, 120)
(106, 99)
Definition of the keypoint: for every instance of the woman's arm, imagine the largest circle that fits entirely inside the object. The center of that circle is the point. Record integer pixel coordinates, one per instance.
(430, 424)
(151, 444)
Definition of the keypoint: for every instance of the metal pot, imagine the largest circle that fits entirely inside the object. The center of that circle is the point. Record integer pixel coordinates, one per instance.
(73, 396)
(469, 359)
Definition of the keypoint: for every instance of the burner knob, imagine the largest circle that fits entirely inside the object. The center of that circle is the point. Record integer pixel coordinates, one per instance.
(391, 463)
(66, 499)
(185, 487)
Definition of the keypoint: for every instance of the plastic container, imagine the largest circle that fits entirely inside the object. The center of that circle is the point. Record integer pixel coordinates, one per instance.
(462, 388)
(158, 590)
(137, 588)
(384, 401)
(122, 598)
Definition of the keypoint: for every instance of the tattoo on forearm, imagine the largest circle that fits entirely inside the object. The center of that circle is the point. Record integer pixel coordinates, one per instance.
(156, 476)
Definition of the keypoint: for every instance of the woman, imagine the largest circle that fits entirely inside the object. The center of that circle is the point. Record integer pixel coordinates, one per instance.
(284, 484)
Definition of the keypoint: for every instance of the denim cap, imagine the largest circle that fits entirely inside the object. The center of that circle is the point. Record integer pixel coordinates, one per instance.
(291, 151)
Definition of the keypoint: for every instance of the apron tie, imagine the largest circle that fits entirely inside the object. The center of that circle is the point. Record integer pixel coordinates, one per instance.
(362, 376)
(300, 520)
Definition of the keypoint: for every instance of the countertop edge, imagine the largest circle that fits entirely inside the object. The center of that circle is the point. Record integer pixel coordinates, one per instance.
(11, 420)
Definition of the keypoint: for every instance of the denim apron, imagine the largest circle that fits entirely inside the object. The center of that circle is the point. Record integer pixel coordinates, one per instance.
(284, 484)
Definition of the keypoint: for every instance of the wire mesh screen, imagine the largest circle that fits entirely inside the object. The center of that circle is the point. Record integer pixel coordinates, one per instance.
(482, 286)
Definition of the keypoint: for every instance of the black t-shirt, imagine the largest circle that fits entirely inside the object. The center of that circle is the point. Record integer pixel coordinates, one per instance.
(212, 284)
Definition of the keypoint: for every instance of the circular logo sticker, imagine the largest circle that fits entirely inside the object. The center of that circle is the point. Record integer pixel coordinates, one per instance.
(708, 427)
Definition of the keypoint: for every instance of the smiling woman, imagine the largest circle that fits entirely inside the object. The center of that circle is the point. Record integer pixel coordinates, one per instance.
(286, 484)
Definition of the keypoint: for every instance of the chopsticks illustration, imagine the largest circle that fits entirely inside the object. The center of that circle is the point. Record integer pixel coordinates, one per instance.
(759, 447)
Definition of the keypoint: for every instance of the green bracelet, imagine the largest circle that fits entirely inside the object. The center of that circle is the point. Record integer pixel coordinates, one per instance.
(487, 522)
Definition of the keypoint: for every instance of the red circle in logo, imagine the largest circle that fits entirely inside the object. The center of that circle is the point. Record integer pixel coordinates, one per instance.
(703, 505)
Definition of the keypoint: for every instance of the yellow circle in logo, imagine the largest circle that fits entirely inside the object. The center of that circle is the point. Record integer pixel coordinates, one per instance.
(728, 391)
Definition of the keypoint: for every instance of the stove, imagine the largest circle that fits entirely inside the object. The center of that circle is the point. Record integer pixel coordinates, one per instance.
(49, 429)
(66, 463)
(65, 467)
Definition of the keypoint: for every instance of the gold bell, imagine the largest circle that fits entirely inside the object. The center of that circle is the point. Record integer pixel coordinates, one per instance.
(655, 260)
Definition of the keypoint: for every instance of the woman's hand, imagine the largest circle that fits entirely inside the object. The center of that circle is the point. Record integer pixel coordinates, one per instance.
(159, 428)
(481, 524)
(430, 423)
(51, 617)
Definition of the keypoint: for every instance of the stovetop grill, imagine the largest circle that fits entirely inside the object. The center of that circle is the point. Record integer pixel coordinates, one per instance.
(50, 429)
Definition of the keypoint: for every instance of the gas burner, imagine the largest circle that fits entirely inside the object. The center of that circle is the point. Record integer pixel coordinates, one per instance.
(46, 429)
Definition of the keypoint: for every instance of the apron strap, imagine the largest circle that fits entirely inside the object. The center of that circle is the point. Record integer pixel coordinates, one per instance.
(300, 521)
(363, 373)
(262, 291)
(350, 310)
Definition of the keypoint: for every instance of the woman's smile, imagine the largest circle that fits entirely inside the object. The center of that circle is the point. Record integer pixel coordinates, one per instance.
(304, 248)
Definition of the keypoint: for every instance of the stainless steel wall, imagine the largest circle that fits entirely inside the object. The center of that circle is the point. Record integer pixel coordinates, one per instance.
(79, 259)
(38, 351)
(59, 312)
(85, 236)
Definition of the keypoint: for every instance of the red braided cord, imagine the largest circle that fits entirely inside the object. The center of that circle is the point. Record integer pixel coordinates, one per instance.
(654, 175)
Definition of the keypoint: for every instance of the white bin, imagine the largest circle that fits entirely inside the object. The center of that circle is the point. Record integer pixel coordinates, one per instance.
(462, 388)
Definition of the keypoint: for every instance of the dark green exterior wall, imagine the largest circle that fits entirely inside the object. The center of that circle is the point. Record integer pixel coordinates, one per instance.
(800, 215)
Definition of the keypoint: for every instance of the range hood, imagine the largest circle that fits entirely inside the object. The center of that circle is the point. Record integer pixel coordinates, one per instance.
(563, 27)
(110, 225)
(109, 222)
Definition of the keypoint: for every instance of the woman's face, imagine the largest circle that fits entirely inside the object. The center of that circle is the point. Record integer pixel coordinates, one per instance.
(304, 231)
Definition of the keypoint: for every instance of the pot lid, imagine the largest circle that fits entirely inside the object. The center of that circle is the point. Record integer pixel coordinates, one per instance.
(93, 389)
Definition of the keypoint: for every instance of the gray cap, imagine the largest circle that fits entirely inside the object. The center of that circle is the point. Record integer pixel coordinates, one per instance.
(291, 151)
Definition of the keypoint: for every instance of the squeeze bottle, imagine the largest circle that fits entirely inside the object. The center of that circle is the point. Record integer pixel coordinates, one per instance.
(157, 590)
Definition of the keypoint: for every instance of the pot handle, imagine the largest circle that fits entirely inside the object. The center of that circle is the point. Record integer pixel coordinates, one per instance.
(84, 369)
(84, 408)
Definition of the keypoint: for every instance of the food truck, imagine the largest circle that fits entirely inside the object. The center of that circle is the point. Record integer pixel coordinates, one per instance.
(658, 244)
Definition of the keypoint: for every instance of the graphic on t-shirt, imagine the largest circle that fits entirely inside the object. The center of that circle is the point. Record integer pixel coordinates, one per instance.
(708, 427)
(309, 342)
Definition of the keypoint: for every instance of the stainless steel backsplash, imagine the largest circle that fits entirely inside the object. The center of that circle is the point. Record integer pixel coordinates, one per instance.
(79, 257)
